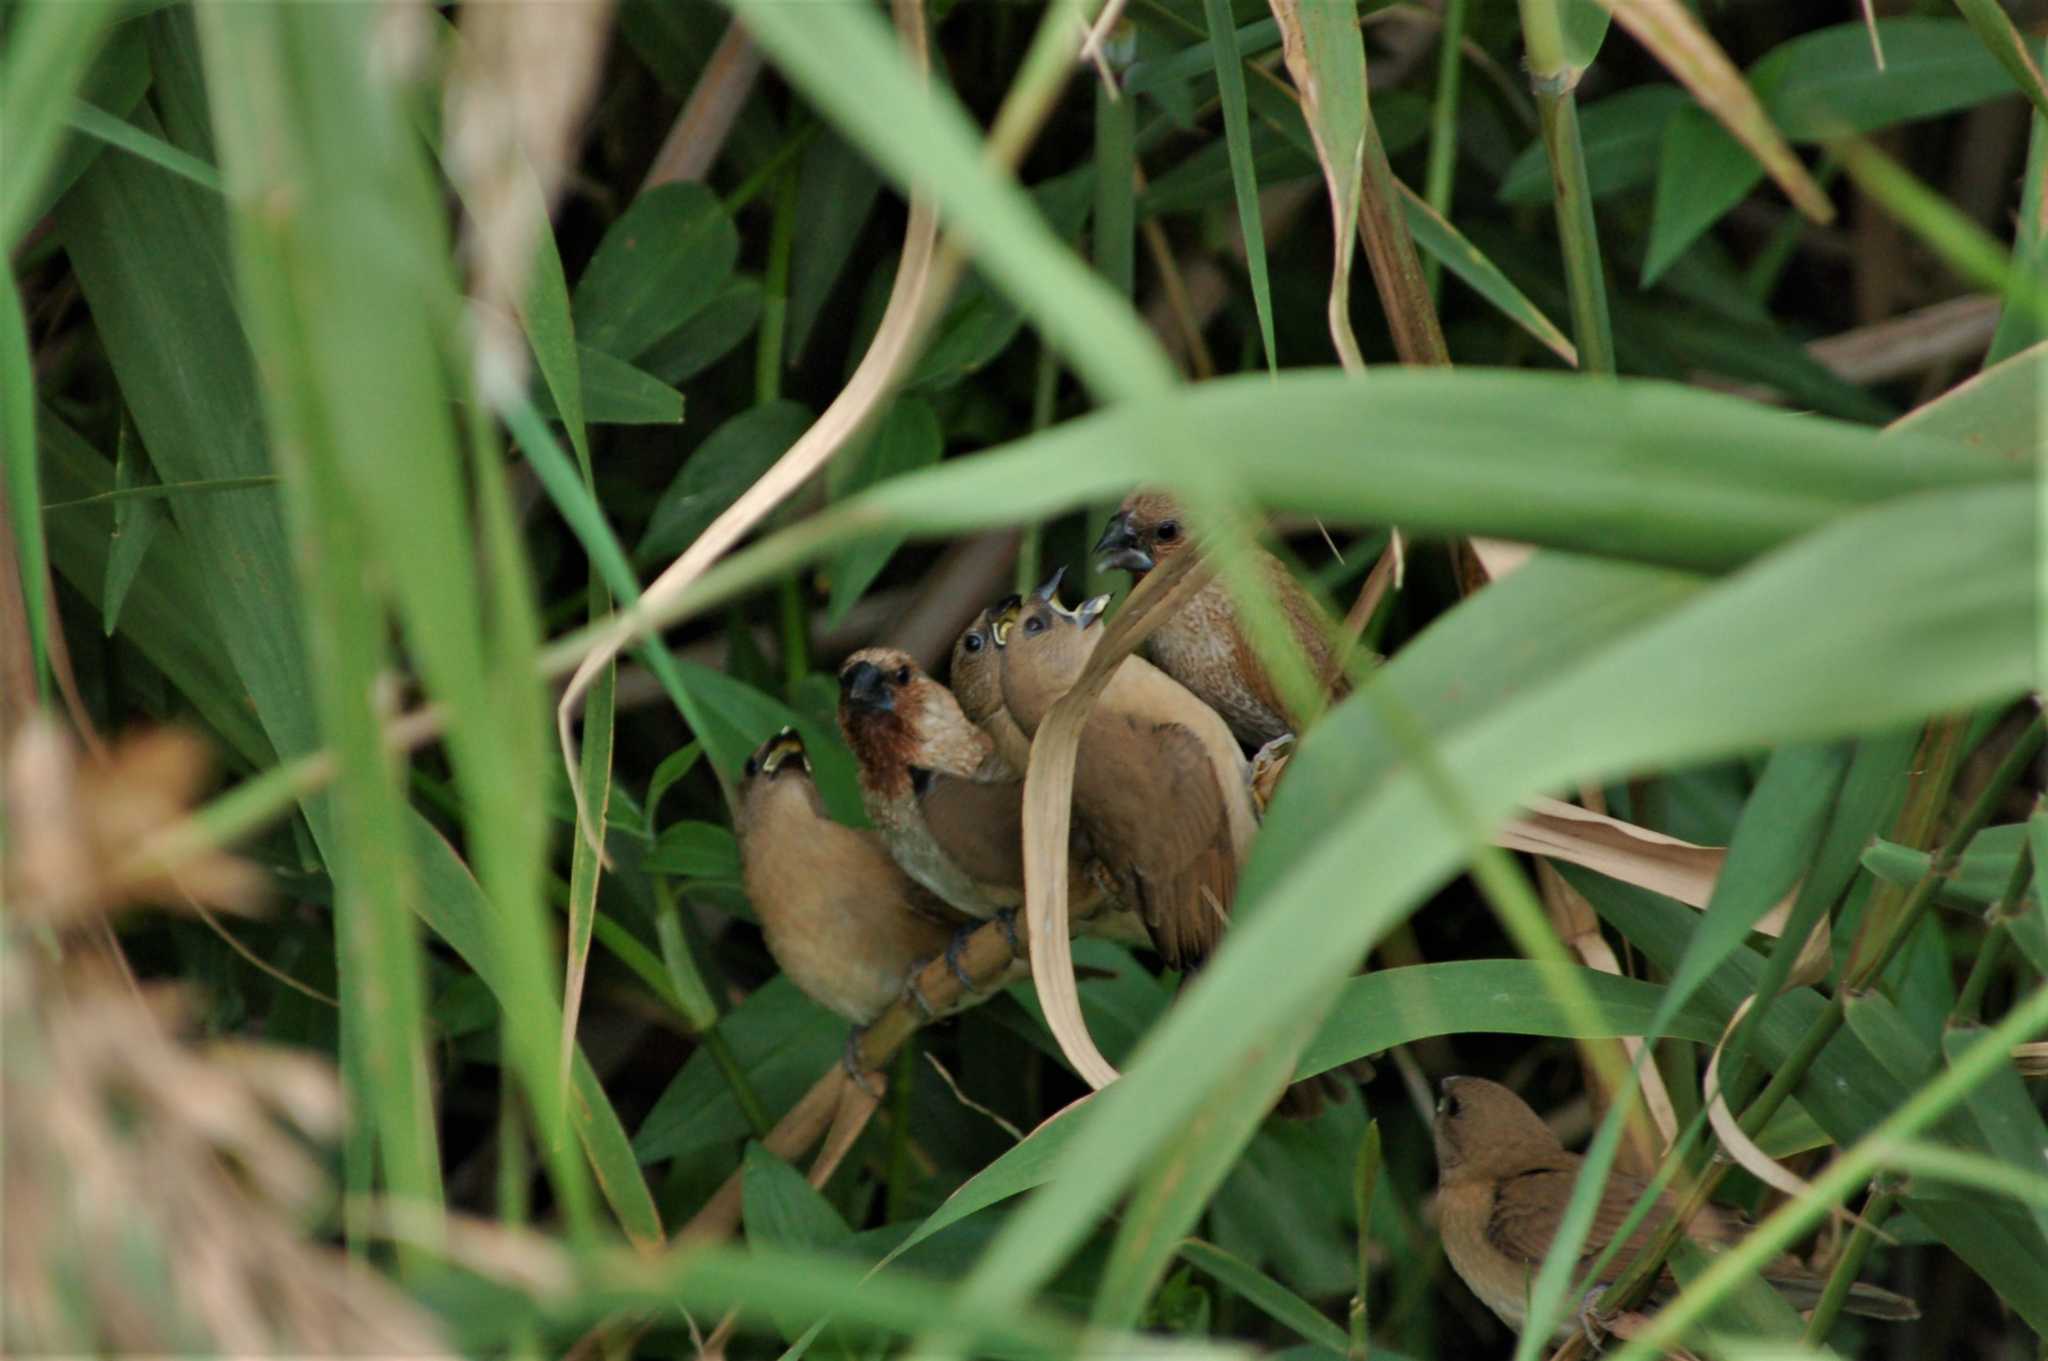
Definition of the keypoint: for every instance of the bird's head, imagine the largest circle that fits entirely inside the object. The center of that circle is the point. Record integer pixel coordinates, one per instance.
(897, 720)
(1483, 1130)
(976, 672)
(1044, 649)
(1145, 531)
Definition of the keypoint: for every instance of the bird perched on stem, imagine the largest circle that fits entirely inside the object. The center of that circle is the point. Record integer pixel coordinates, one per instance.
(840, 917)
(1504, 1180)
(977, 682)
(1203, 644)
(1159, 785)
(949, 808)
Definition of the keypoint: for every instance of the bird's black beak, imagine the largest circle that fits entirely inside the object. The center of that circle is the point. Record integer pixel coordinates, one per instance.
(1118, 551)
(865, 687)
(1050, 588)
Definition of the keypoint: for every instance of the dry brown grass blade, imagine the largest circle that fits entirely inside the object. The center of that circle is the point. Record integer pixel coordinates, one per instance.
(1620, 850)
(1742, 1148)
(921, 282)
(803, 1125)
(1501, 557)
(1578, 926)
(1377, 582)
(1336, 114)
(1674, 36)
(707, 118)
(1048, 809)
(522, 80)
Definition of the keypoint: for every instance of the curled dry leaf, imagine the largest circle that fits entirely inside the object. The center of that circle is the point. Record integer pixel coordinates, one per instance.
(74, 825)
(1049, 800)
(1742, 1148)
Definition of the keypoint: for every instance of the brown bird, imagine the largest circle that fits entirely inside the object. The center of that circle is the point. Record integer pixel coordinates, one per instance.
(949, 808)
(977, 682)
(1159, 786)
(1203, 644)
(845, 923)
(1504, 1179)
(1161, 792)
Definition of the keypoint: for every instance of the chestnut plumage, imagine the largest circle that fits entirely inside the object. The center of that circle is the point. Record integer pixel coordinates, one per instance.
(1504, 1180)
(1203, 644)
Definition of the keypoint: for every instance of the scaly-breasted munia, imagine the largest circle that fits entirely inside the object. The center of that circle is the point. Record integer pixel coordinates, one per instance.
(1203, 644)
(1504, 1180)
(1159, 785)
(976, 679)
(840, 917)
(948, 807)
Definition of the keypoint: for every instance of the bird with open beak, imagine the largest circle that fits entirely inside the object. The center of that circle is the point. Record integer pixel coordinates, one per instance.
(977, 682)
(1160, 787)
(839, 915)
(1504, 1180)
(1203, 644)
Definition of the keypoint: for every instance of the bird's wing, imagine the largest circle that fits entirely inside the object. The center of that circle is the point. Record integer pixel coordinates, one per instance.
(1528, 1208)
(1157, 816)
(979, 826)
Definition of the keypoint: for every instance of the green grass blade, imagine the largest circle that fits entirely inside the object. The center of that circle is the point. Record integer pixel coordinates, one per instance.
(49, 45)
(96, 122)
(23, 478)
(842, 58)
(1244, 183)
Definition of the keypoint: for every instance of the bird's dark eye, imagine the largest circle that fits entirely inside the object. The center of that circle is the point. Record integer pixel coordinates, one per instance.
(1035, 624)
(1168, 531)
(973, 643)
(1449, 1106)
(903, 675)
(753, 767)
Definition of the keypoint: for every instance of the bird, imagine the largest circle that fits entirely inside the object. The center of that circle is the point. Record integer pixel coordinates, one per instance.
(948, 807)
(1160, 788)
(1161, 792)
(1504, 1180)
(839, 915)
(976, 679)
(1203, 644)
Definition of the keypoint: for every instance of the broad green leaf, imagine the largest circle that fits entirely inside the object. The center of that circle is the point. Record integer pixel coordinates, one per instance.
(907, 439)
(716, 331)
(2020, 327)
(694, 850)
(782, 1042)
(1389, 1007)
(21, 480)
(1621, 134)
(717, 471)
(737, 718)
(2005, 1111)
(1435, 235)
(673, 767)
(1703, 172)
(781, 1209)
(657, 267)
(136, 522)
(1273, 1299)
(617, 393)
(115, 83)
(835, 192)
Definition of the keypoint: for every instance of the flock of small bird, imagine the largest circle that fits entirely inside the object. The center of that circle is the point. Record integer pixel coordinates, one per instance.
(1163, 820)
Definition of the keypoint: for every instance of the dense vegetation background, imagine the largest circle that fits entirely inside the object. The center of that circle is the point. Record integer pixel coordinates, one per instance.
(362, 358)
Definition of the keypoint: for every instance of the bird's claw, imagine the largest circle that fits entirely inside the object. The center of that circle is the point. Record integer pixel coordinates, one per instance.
(1007, 919)
(1591, 1321)
(967, 983)
(851, 1058)
(916, 996)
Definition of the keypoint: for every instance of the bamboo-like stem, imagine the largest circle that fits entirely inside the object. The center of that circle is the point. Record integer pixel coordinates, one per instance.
(1554, 80)
(1443, 129)
(2011, 903)
(1850, 1264)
